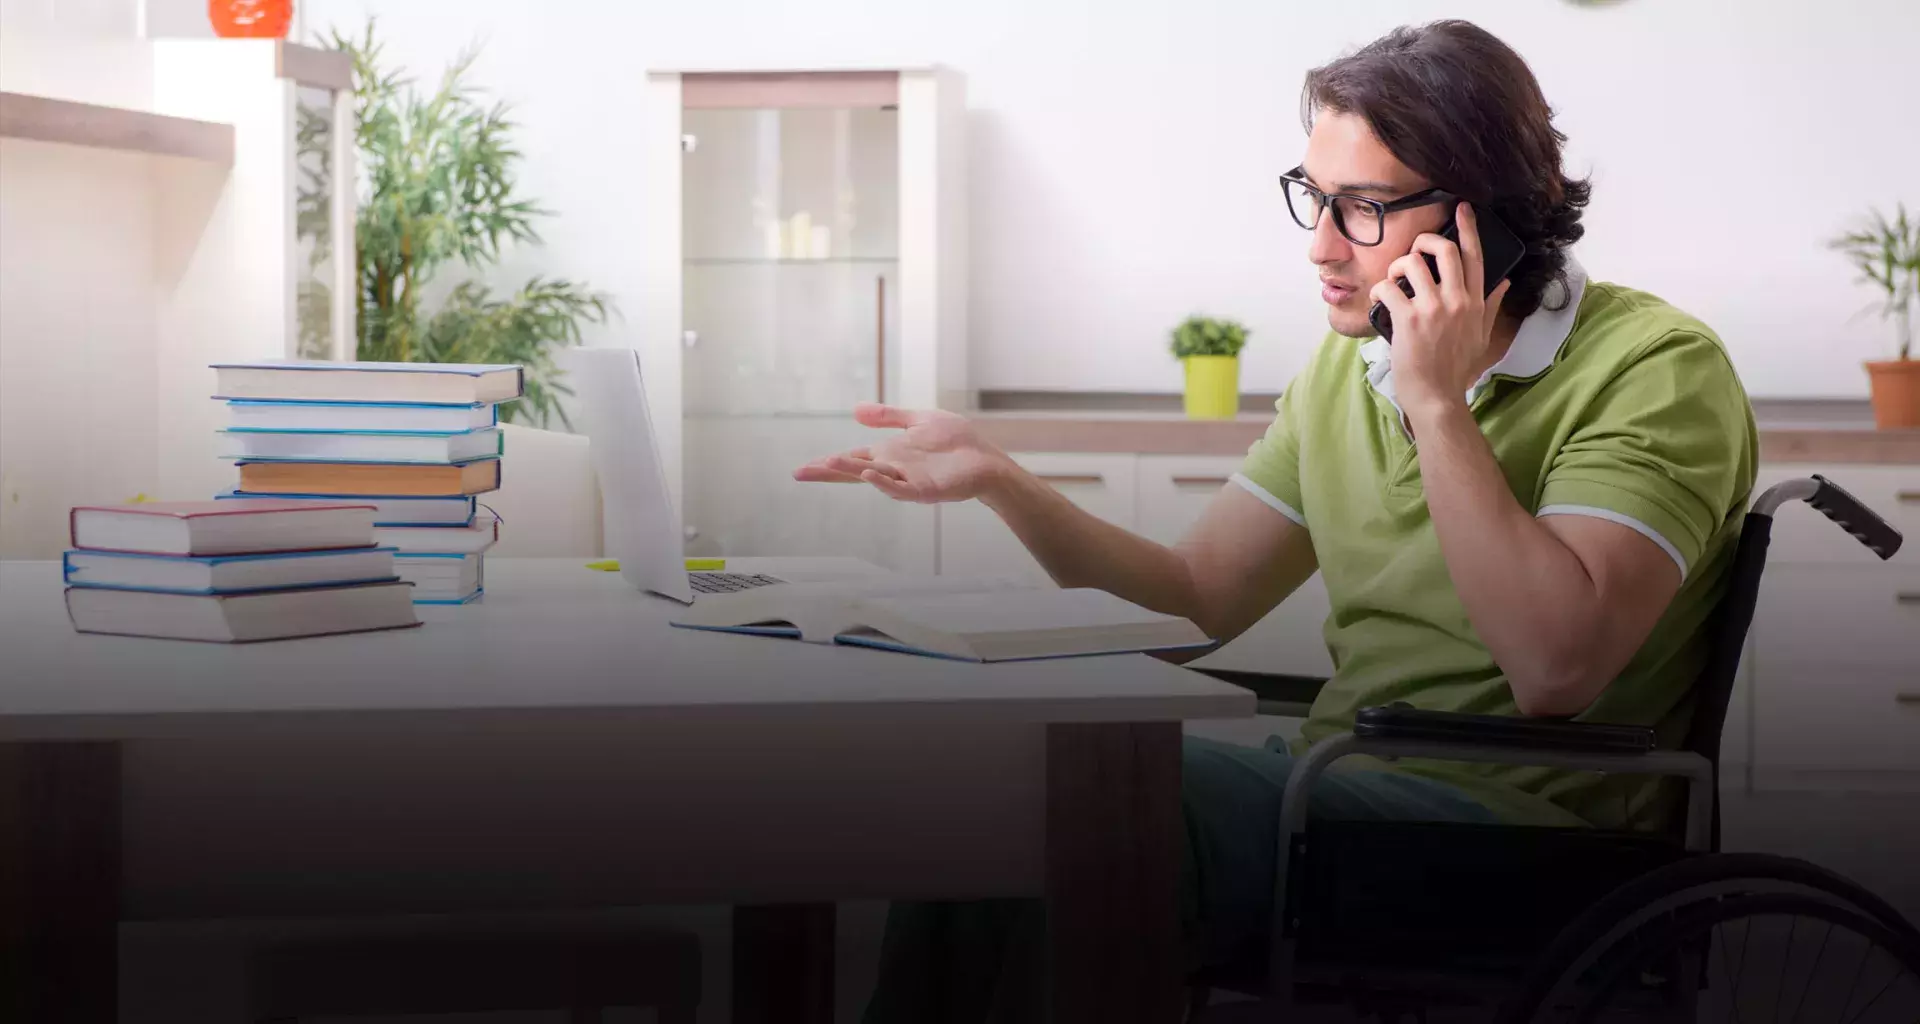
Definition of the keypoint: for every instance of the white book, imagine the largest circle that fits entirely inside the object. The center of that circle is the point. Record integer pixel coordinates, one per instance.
(442, 578)
(451, 540)
(321, 380)
(242, 618)
(227, 574)
(387, 510)
(328, 417)
(984, 621)
(301, 446)
(243, 526)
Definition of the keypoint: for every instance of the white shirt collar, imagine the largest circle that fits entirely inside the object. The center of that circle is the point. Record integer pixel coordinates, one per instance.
(1534, 347)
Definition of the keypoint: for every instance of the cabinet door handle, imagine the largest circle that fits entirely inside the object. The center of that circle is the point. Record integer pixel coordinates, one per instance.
(1088, 479)
(1908, 497)
(1199, 481)
(1905, 597)
(1906, 698)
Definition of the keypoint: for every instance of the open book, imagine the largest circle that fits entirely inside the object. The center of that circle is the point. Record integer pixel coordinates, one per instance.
(969, 620)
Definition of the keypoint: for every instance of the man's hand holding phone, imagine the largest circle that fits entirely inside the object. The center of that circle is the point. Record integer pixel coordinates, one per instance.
(1443, 334)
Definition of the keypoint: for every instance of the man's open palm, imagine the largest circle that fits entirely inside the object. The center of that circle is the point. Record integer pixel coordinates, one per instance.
(936, 457)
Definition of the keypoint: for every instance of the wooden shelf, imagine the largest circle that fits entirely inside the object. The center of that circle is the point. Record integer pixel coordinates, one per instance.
(44, 119)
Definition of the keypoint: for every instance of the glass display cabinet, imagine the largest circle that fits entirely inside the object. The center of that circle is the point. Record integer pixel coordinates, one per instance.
(806, 252)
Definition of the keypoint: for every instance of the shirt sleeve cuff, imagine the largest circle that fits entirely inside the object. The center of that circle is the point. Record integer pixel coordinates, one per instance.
(1267, 496)
(1624, 520)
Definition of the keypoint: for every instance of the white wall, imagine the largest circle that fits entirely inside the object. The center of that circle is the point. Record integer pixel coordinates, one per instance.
(77, 336)
(73, 17)
(1124, 153)
(122, 276)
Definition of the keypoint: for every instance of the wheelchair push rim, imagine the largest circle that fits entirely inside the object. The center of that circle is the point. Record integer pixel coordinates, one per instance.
(1723, 959)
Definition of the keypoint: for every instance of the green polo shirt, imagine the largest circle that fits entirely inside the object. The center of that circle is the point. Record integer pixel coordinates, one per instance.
(1617, 406)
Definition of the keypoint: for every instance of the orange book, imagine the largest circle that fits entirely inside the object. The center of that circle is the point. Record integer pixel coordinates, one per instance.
(384, 478)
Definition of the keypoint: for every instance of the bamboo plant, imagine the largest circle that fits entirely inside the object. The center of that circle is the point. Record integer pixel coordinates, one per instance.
(1886, 252)
(437, 186)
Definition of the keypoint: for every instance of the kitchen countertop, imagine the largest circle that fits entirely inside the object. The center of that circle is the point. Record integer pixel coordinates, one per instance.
(1790, 431)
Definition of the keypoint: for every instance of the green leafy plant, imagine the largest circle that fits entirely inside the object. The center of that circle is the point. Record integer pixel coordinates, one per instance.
(1886, 252)
(438, 186)
(1206, 336)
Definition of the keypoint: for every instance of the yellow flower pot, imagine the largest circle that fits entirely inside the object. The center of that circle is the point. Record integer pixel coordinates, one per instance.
(1213, 387)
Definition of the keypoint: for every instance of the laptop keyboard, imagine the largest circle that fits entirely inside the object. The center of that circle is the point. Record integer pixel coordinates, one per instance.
(727, 582)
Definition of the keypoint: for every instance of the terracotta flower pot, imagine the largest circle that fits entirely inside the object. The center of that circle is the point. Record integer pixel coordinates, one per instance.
(1895, 387)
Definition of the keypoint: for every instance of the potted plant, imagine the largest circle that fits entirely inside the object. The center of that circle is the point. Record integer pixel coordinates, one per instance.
(439, 191)
(1209, 349)
(1887, 254)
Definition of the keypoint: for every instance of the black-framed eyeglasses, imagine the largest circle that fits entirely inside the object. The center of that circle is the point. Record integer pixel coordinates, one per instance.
(1363, 221)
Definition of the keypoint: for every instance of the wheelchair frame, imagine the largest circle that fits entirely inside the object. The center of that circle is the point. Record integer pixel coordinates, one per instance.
(1699, 767)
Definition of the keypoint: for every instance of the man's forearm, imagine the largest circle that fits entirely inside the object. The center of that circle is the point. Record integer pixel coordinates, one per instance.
(1079, 549)
(1528, 595)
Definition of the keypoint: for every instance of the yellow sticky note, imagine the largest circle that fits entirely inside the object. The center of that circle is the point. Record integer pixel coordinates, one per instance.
(606, 566)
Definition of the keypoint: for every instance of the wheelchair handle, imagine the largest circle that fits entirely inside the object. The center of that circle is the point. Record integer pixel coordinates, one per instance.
(1833, 501)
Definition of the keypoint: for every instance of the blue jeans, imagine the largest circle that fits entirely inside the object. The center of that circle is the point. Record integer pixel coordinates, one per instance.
(982, 962)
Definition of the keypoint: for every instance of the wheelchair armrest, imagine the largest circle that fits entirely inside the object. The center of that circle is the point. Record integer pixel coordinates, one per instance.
(1695, 769)
(1270, 687)
(1403, 721)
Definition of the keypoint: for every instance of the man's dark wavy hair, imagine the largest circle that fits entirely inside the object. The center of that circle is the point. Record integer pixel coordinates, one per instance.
(1463, 110)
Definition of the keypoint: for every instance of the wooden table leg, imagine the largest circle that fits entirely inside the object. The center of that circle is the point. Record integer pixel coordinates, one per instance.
(1112, 876)
(783, 964)
(59, 882)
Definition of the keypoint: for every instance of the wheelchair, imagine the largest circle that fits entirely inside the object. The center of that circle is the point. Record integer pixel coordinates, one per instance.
(1392, 921)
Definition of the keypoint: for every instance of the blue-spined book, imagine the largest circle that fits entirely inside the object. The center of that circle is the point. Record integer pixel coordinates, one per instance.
(228, 574)
(389, 510)
(248, 414)
(363, 446)
(991, 623)
(442, 577)
(317, 380)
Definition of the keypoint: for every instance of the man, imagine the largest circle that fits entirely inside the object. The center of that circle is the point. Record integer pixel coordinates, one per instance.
(1523, 504)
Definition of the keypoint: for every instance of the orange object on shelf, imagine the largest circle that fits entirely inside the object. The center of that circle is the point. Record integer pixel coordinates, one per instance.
(250, 19)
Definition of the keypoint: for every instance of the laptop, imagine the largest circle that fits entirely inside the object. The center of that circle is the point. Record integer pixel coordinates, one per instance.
(640, 525)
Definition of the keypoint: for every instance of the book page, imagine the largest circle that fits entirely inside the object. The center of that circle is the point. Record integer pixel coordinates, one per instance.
(990, 612)
(898, 586)
(822, 609)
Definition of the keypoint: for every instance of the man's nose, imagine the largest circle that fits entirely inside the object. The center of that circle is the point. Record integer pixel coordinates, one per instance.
(1328, 245)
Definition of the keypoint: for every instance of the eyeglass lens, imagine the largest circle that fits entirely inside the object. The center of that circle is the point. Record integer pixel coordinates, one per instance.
(1355, 218)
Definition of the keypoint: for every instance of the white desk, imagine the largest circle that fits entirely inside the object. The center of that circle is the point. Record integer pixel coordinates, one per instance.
(559, 745)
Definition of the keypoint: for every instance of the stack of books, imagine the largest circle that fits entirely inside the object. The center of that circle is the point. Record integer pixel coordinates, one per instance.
(417, 441)
(231, 571)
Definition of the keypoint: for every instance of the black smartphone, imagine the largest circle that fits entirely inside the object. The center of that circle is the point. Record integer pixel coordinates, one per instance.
(1500, 252)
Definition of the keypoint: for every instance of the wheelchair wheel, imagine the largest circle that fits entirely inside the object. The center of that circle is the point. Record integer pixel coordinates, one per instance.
(1729, 938)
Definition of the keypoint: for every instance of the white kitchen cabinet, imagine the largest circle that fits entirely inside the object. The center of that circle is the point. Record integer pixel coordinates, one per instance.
(1173, 490)
(806, 251)
(1828, 693)
(974, 542)
(1172, 493)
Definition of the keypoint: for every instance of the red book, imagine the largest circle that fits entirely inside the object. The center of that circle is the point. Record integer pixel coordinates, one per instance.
(231, 527)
